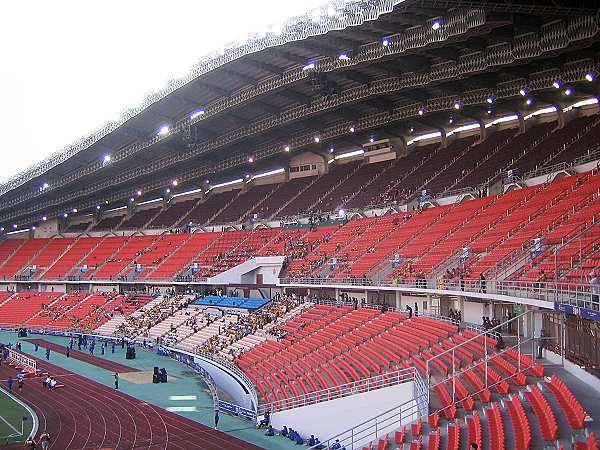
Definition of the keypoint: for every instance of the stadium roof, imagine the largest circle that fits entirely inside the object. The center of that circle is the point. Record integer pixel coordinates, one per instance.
(374, 66)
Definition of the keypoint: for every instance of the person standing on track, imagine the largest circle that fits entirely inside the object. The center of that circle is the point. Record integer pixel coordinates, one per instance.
(216, 418)
(48, 354)
(116, 380)
(45, 440)
(9, 383)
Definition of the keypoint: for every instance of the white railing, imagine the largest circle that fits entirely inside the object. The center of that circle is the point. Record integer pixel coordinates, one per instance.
(356, 387)
(225, 363)
(29, 364)
(574, 294)
(386, 422)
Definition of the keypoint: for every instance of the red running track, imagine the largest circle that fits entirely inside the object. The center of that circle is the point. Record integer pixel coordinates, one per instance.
(88, 415)
(85, 357)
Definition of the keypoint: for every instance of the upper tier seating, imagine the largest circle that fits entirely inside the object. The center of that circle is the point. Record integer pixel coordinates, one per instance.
(206, 209)
(310, 199)
(436, 165)
(383, 189)
(284, 193)
(108, 223)
(79, 227)
(138, 219)
(172, 214)
(586, 142)
(465, 165)
(240, 207)
(500, 162)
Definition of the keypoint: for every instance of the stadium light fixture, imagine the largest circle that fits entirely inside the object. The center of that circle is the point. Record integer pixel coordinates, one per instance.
(331, 149)
(74, 210)
(174, 182)
(309, 66)
(98, 207)
(590, 76)
(372, 139)
(138, 192)
(131, 200)
(490, 100)
(352, 129)
(33, 228)
(386, 41)
(65, 215)
(457, 104)
(490, 111)
(196, 114)
(529, 101)
(344, 57)
(317, 139)
(557, 84)
(250, 159)
(44, 218)
(412, 129)
(421, 111)
(451, 120)
(1, 228)
(106, 159)
(437, 24)
(286, 148)
(342, 213)
(106, 202)
(523, 91)
(168, 191)
(206, 181)
(568, 91)
(164, 130)
(45, 186)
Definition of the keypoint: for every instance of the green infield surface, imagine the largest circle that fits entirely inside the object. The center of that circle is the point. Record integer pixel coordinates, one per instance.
(12, 426)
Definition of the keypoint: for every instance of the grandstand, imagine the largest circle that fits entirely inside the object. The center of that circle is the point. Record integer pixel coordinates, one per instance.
(389, 208)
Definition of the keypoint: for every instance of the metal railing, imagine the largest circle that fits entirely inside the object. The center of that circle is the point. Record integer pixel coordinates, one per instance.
(225, 363)
(356, 387)
(385, 422)
(574, 294)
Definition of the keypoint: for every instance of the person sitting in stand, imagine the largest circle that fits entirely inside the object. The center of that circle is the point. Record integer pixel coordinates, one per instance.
(311, 440)
(299, 440)
(284, 431)
(265, 421)
(336, 445)
(270, 431)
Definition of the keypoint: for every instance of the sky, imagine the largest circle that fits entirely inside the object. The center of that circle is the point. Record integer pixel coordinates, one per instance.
(69, 66)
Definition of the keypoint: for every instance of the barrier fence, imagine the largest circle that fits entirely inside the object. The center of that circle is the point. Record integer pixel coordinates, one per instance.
(22, 361)
(344, 390)
(575, 294)
(386, 422)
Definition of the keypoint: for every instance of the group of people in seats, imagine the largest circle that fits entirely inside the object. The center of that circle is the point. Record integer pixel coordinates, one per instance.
(249, 324)
(296, 437)
(139, 324)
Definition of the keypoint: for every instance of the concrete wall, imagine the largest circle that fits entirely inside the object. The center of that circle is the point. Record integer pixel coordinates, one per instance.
(227, 382)
(327, 419)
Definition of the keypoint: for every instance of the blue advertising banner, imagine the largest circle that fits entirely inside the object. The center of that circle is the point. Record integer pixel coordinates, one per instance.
(577, 311)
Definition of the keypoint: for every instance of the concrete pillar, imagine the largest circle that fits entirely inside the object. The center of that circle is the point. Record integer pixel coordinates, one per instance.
(461, 307)
(398, 300)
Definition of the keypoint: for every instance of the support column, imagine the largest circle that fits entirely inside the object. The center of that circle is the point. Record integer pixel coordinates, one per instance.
(398, 301)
